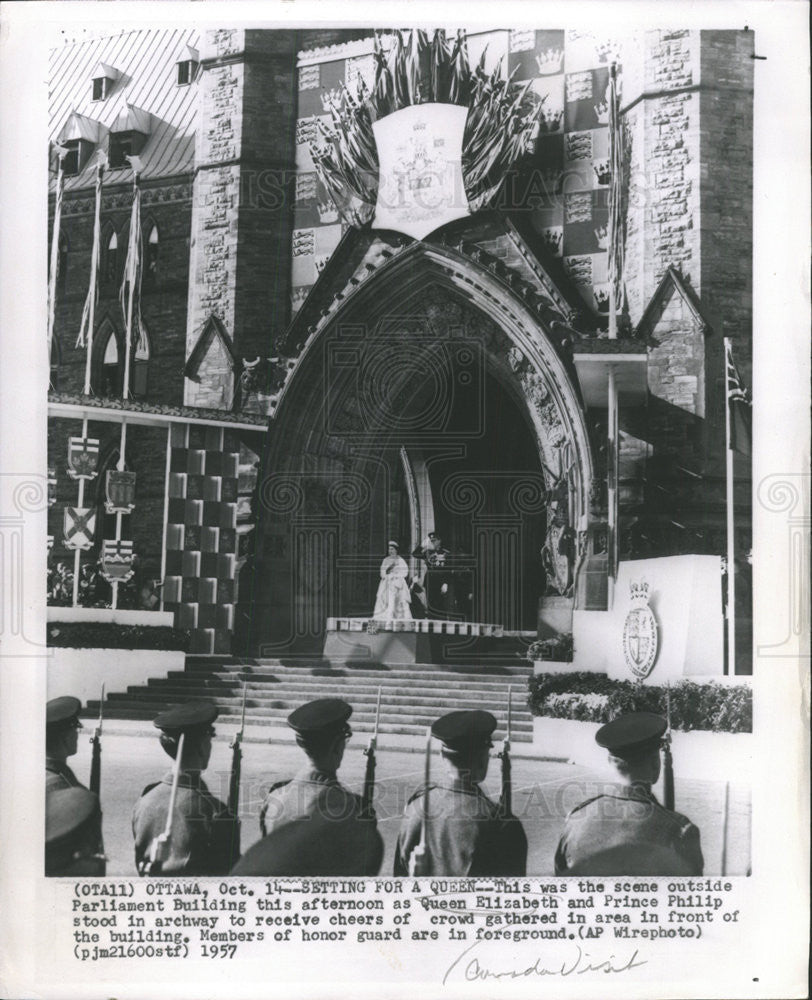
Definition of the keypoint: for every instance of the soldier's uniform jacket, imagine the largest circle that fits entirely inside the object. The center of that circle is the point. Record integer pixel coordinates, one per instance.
(466, 834)
(59, 775)
(205, 836)
(628, 832)
(312, 825)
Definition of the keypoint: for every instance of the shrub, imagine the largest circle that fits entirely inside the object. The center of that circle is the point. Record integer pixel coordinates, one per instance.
(107, 635)
(590, 697)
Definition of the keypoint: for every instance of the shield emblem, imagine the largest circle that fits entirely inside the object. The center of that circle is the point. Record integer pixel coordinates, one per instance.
(117, 560)
(80, 527)
(420, 184)
(51, 487)
(83, 457)
(120, 488)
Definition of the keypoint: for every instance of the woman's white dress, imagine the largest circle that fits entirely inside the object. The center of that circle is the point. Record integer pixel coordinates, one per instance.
(392, 599)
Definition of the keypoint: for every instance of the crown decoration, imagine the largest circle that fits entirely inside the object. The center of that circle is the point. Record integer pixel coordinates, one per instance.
(329, 97)
(638, 591)
(552, 238)
(602, 236)
(549, 61)
(327, 211)
(602, 171)
(320, 262)
(602, 112)
(550, 121)
(418, 69)
(601, 299)
(298, 297)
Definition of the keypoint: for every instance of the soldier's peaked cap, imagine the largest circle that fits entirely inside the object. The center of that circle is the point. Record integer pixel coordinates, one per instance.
(180, 718)
(632, 734)
(66, 810)
(320, 717)
(461, 731)
(62, 709)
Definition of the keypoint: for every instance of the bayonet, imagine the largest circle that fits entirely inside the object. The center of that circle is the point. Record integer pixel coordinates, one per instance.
(367, 810)
(160, 846)
(95, 740)
(418, 859)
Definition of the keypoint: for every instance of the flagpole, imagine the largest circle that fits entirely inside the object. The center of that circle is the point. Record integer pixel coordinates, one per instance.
(60, 182)
(730, 666)
(94, 274)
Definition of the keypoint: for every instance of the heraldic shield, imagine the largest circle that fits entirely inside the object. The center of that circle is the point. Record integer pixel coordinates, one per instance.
(120, 488)
(117, 560)
(83, 457)
(80, 527)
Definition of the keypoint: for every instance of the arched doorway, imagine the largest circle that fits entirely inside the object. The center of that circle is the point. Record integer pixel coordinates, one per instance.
(421, 406)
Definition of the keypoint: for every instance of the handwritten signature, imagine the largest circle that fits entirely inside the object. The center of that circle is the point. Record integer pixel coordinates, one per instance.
(474, 969)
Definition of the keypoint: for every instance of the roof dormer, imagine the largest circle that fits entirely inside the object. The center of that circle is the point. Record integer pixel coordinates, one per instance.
(187, 65)
(128, 135)
(104, 78)
(79, 137)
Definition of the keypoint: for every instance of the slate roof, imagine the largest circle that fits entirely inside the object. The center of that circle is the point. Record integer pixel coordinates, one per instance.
(146, 62)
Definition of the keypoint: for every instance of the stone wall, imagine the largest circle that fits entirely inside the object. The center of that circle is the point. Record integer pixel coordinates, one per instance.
(240, 252)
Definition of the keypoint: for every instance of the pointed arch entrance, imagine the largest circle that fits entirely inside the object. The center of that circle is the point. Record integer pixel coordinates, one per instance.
(432, 399)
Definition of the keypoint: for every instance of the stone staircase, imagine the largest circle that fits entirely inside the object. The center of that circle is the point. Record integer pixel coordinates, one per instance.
(412, 696)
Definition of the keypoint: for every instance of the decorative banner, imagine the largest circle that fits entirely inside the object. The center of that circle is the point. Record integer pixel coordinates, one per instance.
(51, 487)
(80, 527)
(120, 492)
(421, 186)
(640, 633)
(117, 560)
(83, 457)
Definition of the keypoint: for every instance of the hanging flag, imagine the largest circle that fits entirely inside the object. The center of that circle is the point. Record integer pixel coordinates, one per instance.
(60, 184)
(117, 560)
(616, 253)
(85, 337)
(130, 296)
(83, 457)
(120, 486)
(80, 527)
(740, 407)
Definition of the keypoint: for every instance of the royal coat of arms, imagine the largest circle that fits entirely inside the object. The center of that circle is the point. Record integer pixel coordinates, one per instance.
(640, 633)
(83, 457)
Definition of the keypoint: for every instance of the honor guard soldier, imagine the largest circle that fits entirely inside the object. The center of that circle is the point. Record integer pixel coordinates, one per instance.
(72, 822)
(62, 727)
(311, 824)
(626, 831)
(461, 832)
(179, 827)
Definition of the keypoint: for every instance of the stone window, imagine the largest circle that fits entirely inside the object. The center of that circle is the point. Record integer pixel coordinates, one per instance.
(78, 153)
(110, 263)
(109, 368)
(140, 366)
(187, 70)
(122, 145)
(101, 88)
(151, 258)
(111, 375)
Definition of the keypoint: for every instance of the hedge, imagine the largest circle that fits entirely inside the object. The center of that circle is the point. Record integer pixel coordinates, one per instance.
(590, 697)
(107, 635)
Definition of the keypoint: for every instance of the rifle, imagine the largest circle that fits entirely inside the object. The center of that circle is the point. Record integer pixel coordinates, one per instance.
(725, 821)
(418, 859)
(506, 799)
(236, 761)
(369, 778)
(668, 760)
(95, 740)
(159, 848)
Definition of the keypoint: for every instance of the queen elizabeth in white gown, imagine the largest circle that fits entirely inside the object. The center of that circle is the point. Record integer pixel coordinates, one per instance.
(393, 598)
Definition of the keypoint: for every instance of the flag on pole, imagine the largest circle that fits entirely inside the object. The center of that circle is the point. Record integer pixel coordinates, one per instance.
(130, 296)
(740, 407)
(85, 338)
(60, 184)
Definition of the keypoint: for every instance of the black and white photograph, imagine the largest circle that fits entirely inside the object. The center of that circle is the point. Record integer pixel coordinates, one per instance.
(407, 516)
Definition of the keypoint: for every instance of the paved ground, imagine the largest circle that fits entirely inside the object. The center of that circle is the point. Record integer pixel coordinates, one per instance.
(544, 791)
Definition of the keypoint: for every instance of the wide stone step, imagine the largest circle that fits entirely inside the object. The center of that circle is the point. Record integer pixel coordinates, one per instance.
(405, 699)
(410, 671)
(365, 684)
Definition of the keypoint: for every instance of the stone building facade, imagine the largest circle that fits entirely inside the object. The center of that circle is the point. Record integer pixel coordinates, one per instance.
(252, 265)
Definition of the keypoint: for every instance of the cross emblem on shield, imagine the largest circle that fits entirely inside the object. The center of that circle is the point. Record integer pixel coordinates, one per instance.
(80, 527)
(83, 457)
